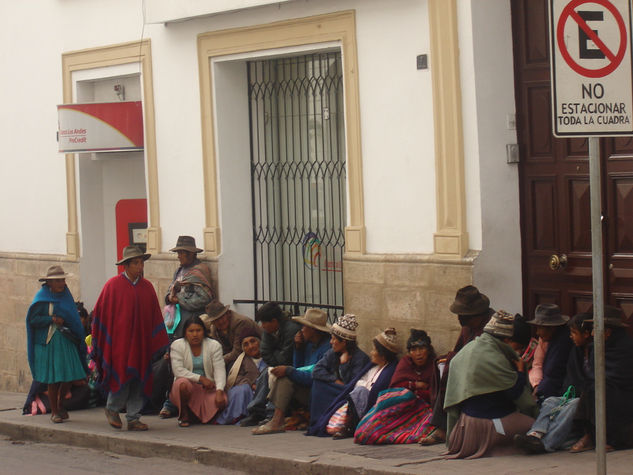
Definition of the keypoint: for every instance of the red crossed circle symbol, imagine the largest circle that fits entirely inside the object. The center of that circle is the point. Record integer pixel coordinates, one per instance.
(614, 59)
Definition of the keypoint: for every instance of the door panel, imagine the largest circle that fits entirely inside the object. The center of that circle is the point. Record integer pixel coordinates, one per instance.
(554, 182)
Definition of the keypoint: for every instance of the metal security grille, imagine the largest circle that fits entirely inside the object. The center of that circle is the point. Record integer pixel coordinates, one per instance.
(298, 181)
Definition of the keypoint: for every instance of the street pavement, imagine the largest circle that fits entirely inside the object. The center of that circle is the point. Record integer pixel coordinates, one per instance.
(235, 448)
(37, 458)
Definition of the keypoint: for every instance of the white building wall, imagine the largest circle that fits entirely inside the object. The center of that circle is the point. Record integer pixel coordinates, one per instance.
(489, 90)
(396, 114)
(396, 122)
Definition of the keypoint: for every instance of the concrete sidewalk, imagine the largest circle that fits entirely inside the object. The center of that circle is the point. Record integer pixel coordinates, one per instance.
(292, 452)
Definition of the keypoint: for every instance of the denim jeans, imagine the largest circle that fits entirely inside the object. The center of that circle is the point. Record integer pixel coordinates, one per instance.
(557, 430)
(259, 406)
(129, 397)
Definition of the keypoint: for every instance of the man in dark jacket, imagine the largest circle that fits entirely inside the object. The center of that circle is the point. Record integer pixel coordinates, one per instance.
(278, 342)
(226, 326)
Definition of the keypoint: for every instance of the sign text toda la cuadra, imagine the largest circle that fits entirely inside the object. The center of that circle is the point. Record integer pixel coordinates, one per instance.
(592, 110)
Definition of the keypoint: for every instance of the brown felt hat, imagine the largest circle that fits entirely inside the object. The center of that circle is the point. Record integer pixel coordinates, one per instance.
(186, 243)
(548, 315)
(54, 272)
(469, 301)
(215, 310)
(314, 318)
(131, 252)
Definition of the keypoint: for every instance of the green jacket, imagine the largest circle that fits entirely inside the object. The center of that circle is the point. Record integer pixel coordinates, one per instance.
(483, 366)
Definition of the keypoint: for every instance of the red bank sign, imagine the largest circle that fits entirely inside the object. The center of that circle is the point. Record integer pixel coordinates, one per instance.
(99, 127)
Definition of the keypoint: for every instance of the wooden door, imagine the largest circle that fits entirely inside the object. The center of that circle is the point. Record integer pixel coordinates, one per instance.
(554, 187)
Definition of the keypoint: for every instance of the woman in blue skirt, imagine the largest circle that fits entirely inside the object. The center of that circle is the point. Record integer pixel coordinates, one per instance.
(56, 345)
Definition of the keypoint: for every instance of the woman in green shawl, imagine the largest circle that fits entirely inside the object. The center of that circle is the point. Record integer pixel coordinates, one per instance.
(488, 399)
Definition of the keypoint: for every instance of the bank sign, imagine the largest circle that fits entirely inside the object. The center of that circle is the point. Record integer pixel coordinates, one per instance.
(100, 127)
(591, 67)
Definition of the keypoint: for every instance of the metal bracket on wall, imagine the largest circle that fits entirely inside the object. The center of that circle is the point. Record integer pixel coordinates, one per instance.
(512, 153)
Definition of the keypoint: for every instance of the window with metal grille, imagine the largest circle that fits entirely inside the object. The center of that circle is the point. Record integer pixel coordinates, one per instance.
(298, 180)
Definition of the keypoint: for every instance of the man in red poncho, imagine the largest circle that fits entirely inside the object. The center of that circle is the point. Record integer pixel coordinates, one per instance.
(128, 333)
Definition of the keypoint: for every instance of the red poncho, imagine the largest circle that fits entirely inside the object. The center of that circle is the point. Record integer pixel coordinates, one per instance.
(127, 333)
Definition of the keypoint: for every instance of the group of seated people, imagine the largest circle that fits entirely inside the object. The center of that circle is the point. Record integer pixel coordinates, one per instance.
(509, 383)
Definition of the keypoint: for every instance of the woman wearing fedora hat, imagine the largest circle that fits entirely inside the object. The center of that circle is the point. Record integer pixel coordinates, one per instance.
(56, 346)
(552, 352)
(192, 286)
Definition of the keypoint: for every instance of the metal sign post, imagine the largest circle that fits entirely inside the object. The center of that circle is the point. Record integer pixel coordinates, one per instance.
(598, 304)
(592, 96)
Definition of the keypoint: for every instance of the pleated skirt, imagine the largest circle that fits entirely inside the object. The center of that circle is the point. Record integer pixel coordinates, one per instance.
(58, 361)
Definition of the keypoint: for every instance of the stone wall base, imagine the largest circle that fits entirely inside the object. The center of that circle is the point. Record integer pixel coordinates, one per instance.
(405, 292)
(382, 290)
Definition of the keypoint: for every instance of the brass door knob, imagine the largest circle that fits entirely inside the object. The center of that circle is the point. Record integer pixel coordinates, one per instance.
(557, 262)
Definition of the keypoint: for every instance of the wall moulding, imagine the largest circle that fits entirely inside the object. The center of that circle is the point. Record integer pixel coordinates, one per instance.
(112, 55)
(336, 27)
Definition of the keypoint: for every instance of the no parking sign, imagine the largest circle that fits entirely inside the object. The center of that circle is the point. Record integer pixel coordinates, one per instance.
(591, 69)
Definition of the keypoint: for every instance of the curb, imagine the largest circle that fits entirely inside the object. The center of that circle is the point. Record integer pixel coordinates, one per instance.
(229, 459)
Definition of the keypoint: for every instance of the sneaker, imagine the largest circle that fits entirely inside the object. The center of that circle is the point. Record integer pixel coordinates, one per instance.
(250, 421)
(113, 418)
(529, 444)
(137, 425)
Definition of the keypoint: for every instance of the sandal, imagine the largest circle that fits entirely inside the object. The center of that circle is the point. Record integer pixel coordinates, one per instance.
(584, 444)
(56, 418)
(183, 423)
(267, 429)
(435, 437)
(165, 414)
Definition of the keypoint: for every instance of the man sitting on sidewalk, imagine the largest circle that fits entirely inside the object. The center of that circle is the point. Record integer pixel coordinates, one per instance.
(226, 326)
(288, 383)
(618, 355)
(278, 341)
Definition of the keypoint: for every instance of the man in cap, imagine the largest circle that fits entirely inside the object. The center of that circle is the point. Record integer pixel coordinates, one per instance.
(128, 333)
(294, 382)
(618, 355)
(226, 326)
(192, 287)
(552, 352)
(473, 312)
